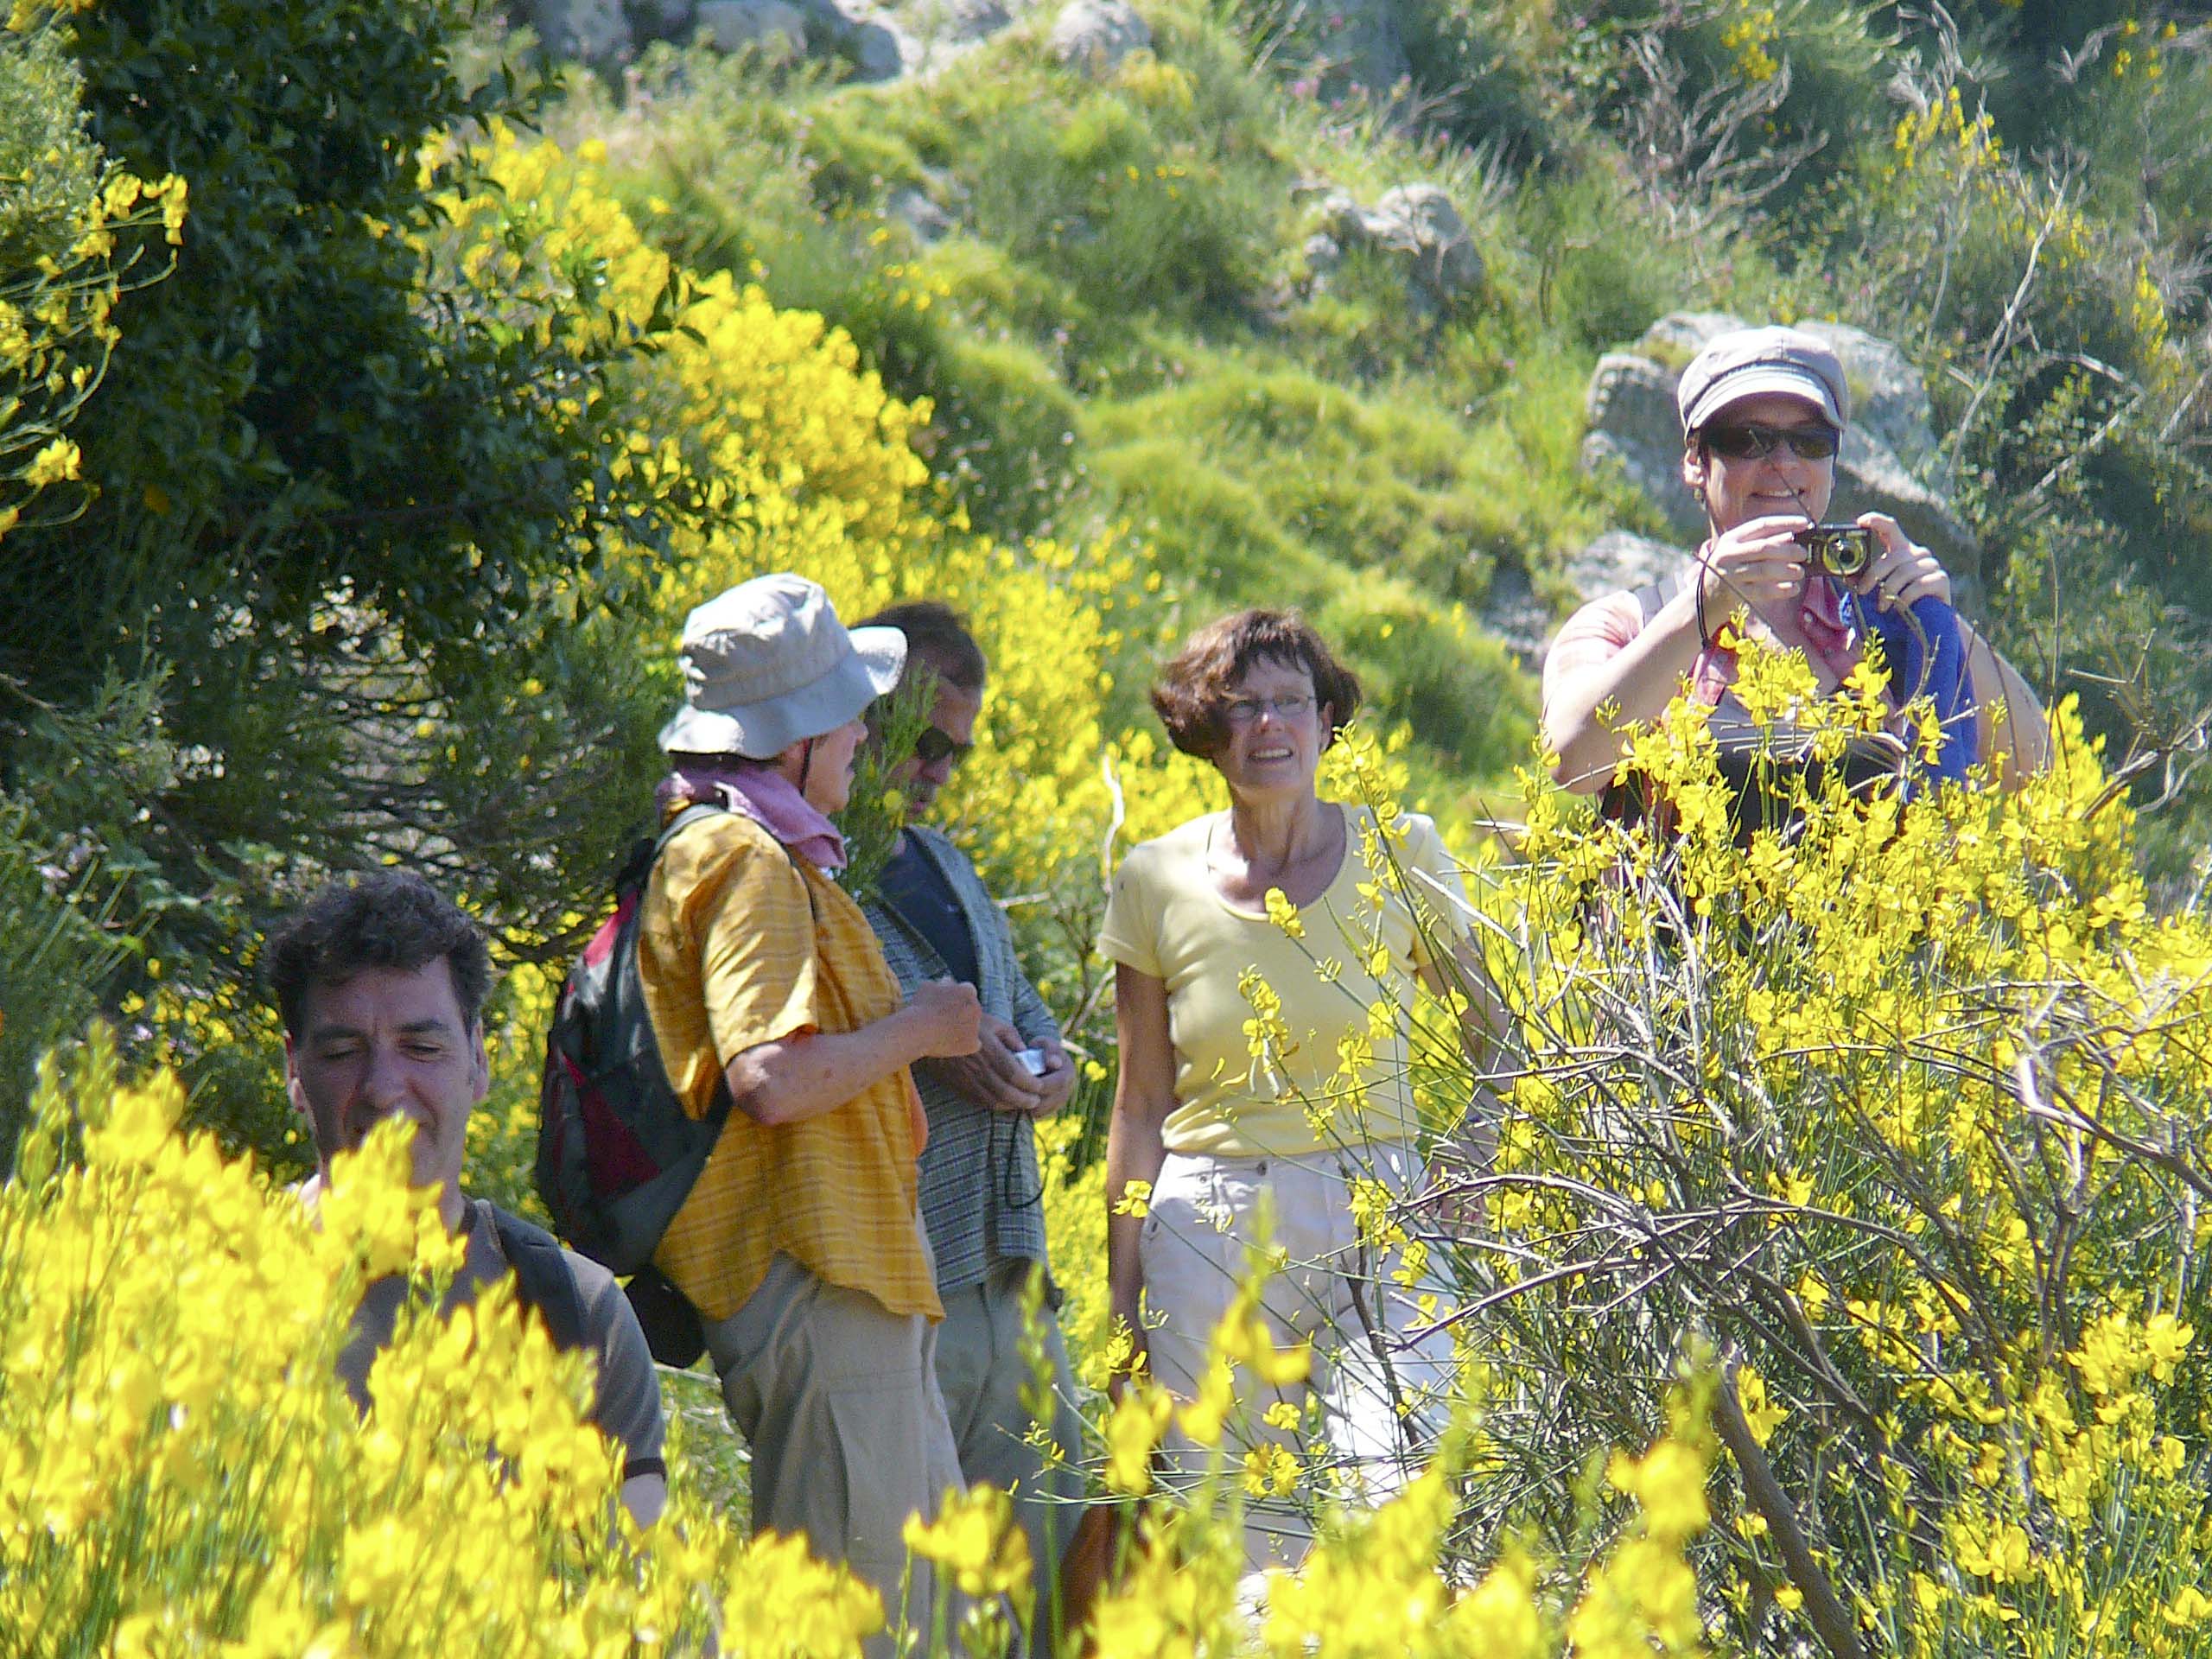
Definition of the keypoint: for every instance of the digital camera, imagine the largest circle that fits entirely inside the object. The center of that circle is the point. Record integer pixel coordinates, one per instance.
(1841, 550)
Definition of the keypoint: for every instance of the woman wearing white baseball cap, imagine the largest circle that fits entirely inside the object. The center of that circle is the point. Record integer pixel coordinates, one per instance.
(801, 1244)
(1763, 413)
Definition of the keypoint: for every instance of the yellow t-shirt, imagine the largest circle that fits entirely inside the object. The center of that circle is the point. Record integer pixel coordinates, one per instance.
(1167, 919)
(739, 944)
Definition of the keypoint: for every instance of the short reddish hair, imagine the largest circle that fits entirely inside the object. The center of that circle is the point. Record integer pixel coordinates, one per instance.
(1194, 689)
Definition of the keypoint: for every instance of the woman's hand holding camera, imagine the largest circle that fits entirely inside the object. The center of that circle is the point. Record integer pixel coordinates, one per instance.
(1758, 563)
(1903, 572)
(1762, 562)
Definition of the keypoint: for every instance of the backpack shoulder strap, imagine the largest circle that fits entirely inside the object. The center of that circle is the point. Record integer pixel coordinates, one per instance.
(543, 1277)
(645, 852)
(1652, 598)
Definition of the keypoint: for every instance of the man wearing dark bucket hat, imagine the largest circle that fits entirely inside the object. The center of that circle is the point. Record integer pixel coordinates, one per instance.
(1764, 414)
(800, 1245)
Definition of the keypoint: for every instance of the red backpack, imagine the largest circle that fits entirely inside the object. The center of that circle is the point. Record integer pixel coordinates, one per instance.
(617, 1153)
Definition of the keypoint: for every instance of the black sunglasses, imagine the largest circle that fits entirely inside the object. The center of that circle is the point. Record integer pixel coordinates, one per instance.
(933, 746)
(1754, 439)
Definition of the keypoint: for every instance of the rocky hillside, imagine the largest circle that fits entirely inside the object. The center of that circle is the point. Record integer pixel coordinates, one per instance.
(1376, 311)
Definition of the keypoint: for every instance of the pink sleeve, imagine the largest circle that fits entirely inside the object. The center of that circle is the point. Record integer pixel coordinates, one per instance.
(1592, 635)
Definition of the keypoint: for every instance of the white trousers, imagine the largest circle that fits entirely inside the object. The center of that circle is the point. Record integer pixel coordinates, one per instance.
(1383, 1395)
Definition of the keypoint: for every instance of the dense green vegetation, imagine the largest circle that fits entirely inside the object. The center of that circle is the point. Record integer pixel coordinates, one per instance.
(336, 581)
(1111, 308)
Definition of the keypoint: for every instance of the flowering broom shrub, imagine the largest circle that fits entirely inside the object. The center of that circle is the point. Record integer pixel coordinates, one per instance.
(802, 462)
(76, 233)
(184, 1474)
(181, 1473)
(1900, 1106)
(71, 227)
(797, 459)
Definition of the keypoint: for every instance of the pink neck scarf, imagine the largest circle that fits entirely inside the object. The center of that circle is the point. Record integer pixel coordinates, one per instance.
(763, 795)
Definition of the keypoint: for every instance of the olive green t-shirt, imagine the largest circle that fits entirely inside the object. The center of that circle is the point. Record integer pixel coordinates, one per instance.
(625, 1399)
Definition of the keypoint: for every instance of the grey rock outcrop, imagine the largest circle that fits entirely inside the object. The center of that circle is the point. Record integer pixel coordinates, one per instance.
(959, 23)
(883, 39)
(772, 26)
(880, 49)
(890, 38)
(1323, 253)
(1622, 561)
(925, 219)
(1414, 225)
(1096, 34)
(1362, 46)
(871, 37)
(1516, 615)
(1619, 561)
(597, 31)
(662, 20)
(1634, 425)
(1889, 396)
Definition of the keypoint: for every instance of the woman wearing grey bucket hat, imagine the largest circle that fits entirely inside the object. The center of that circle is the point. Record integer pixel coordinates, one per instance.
(800, 1244)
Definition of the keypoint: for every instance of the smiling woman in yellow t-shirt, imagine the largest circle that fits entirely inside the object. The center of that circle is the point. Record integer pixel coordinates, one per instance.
(1234, 1144)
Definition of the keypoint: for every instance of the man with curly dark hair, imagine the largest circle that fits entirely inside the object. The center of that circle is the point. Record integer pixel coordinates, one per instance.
(381, 982)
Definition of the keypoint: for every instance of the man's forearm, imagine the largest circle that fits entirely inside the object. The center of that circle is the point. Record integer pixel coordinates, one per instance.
(793, 1079)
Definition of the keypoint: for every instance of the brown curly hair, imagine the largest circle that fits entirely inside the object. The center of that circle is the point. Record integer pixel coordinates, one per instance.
(1194, 689)
(375, 918)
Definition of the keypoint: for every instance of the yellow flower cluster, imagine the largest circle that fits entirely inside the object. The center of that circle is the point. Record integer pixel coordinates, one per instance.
(2150, 65)
(976, 1537)
(27, 15)
(1371, 1588)
(184, 1474)
(1645, 1597)
(56, 317)
(1942, 130)
(1751, 33)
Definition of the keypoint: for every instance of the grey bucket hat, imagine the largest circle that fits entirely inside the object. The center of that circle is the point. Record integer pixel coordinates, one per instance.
(768, 664)
(1745, 362)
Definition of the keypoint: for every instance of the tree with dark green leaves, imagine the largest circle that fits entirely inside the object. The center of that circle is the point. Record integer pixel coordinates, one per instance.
(340, 555)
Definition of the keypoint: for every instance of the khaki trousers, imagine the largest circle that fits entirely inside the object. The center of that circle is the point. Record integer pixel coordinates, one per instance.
(1383, 1395)
(838, 1400)
(982, 1370)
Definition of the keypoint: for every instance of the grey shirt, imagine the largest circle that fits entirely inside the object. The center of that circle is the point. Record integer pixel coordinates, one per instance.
(625, 1403)
(982, 1199)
